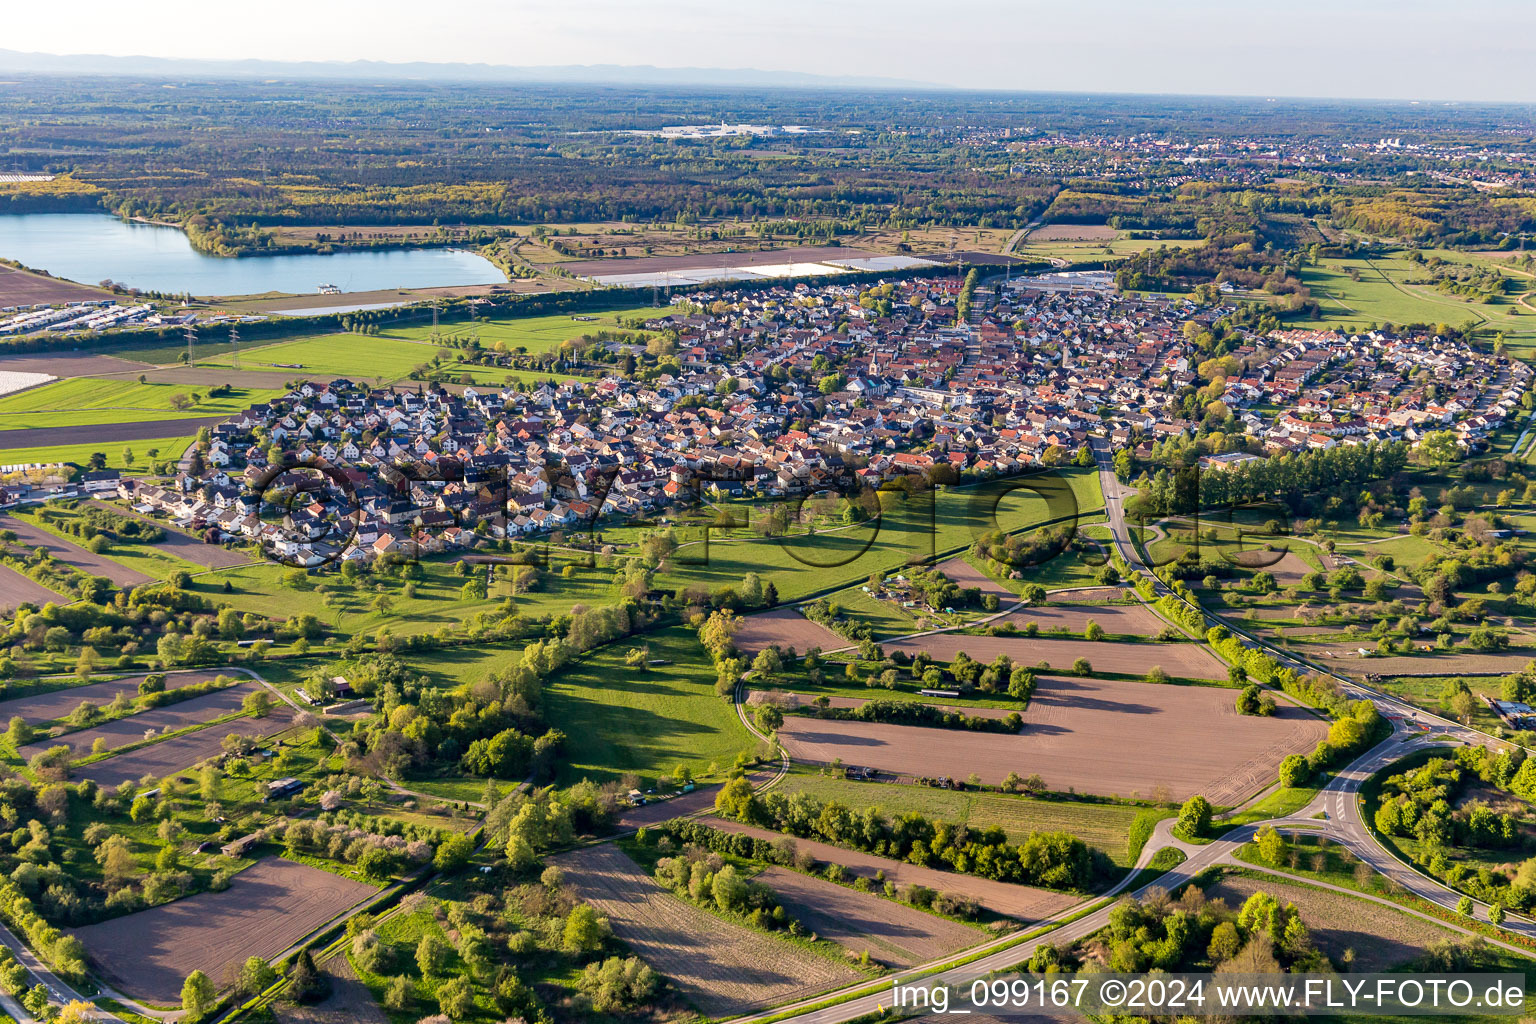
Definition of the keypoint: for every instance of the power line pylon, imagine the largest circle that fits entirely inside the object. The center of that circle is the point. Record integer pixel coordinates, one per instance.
(191, 331)
(234, 346)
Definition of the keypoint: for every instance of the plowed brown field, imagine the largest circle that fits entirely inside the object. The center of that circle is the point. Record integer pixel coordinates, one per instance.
(786, 628)
(267, 908)
(1188, 660)
(16, 589)
(892, 933)
(1125, 619)
(724, 968)
(1092, 735)
(45, 707)
(166, 756)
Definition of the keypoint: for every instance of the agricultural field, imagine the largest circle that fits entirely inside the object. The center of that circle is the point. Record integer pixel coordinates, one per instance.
(785, 628)
(30, 535)
(87, 400)
(161, 757)
(644, 721)
(24, 288)
(1346, 658)
(50, 705)
(911, 530)
(354, 356)
(530, 334)
(1107, 737)
(1087, 244)
(1104, 826)
(1380, 936)
(722, 967)
(135, 728)
(266, 909)
(1181, 660)
(1383, 294)
(1135, 620)
(891, 933)
(349, 1001)
(1021, 902)
(16, 589)
(79, 453)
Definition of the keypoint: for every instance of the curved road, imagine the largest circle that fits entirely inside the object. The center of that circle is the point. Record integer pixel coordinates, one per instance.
(1337, 804)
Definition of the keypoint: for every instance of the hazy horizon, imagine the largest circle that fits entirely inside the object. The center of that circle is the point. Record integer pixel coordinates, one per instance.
(1359, 50)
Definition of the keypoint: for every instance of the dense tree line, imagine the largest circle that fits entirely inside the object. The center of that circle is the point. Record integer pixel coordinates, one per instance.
(1055, 860)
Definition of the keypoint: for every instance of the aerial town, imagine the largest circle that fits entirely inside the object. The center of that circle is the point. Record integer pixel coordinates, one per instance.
(604, 544)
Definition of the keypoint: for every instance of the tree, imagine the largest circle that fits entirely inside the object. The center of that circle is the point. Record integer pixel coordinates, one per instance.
(258, 703)
(1464, 906)
(255, 976)
(1294, 771)
(1463, 704)
(305, 983)
(736, 800)
(1271, 844)
(584, 930)
(617, 985)
(198, 995)
(116, 859)
(453, 853)
(1439, 448)
(768, 718)
(378, 864)
(76, 1011)
(1496, 913)
(520, 853)
(1195, 816)
(432, 954)
(728, 888)
(455, 998)
(398, 995)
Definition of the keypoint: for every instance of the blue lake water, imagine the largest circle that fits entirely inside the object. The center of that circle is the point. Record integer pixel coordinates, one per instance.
(91, 247)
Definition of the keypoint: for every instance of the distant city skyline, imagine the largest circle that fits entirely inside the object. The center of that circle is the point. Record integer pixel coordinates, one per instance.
(1478, 50)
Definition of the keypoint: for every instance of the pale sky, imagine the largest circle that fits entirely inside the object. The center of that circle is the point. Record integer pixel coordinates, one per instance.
(1404, 49)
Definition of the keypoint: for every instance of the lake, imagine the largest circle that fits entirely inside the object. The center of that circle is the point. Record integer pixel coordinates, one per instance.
(92, 247)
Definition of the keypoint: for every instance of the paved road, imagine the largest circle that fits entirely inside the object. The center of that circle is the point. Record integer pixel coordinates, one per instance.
(1338, 801)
